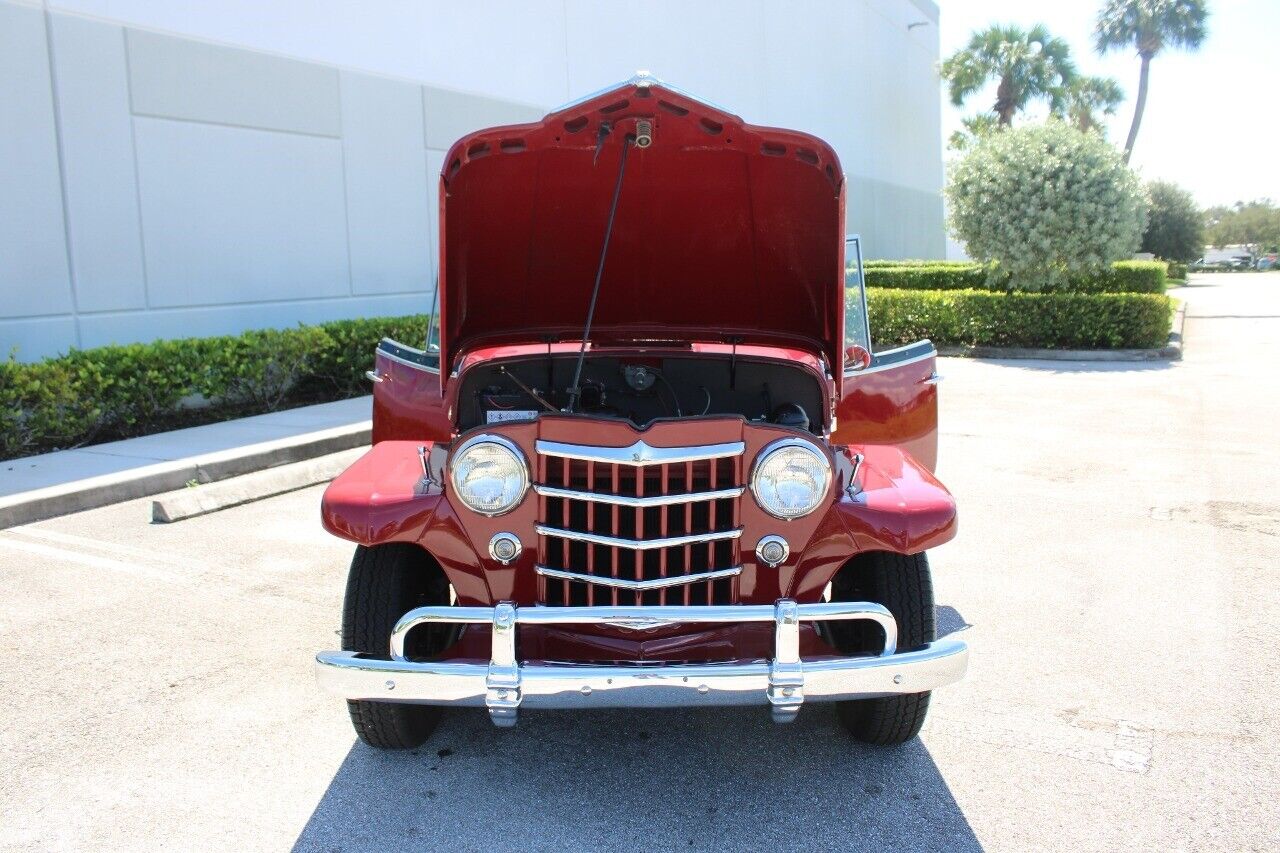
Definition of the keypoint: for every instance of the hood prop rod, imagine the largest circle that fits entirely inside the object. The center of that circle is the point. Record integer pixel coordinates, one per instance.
(575, 390)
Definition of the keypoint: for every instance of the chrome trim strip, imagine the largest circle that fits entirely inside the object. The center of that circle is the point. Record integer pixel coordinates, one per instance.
(636, 544)
(924, 344)
(627, 500)
(875, 368)
(639, 454)
(505, 684)
(656, 583)
(407, 363)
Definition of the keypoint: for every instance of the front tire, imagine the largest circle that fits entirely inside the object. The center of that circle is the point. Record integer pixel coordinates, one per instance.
(902, 584)
(385, 582)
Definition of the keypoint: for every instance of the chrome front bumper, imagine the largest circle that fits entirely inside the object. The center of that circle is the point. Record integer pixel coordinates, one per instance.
(504, 685)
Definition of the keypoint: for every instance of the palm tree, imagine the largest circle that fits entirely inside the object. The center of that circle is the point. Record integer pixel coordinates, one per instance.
(1027, 64)
(975, 127)
(1088, 96)
(1149, 25)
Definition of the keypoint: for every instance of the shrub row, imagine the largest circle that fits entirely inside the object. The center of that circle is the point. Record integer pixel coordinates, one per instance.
(136, 389)
(121, 391)
(1050, 320)
(1177, 271)
(1122, 277)
(879, 264)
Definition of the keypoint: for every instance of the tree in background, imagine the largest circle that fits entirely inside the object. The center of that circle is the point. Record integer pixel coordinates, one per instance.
(1149, 26)
(1086, 97)
(1046, 202)
(1175, 223)
(1026, 64)
(1254, 225)
(974, 127)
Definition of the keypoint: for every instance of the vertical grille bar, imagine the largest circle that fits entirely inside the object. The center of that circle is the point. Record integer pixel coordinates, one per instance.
(688, 525)
(566, 469)
(573, 481)
(613, 552)
(637, 557)
(591, 526)
(664, 530)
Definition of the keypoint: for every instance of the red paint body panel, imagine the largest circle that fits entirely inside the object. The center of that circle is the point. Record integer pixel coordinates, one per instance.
(381, 497)
(408, 403)
(892, 406)
(723, 229)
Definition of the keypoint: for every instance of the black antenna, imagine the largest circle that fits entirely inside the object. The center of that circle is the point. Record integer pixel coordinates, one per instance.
(574, 390)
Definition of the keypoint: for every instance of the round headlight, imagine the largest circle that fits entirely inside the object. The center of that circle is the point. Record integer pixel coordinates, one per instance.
(489, 474)
(790, 478)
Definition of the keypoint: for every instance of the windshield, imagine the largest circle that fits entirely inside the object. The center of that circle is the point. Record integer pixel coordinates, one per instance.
(857, 331)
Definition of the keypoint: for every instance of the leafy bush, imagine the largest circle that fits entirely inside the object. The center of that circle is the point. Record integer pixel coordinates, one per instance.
(915, 263)
(1120, 277)
(1050, 320)
(135, 389)
(1177, 271)
(928, 277)
(1047, 202)
(1175, 223)
(1123, 277)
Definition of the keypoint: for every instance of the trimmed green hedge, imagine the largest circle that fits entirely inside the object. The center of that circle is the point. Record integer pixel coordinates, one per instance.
(1123, 277)
(879, 264)
(120, 391)
(1050, 320)
(136, 389)
(1177, 271)
(930, 277)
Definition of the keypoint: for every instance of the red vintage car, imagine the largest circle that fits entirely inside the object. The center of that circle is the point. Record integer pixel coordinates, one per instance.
(651, 461)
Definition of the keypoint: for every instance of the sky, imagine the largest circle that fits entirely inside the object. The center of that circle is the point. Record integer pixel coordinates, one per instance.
(1212, 123)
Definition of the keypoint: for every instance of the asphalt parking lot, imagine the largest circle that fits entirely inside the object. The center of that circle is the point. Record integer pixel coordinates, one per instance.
(1115, 575)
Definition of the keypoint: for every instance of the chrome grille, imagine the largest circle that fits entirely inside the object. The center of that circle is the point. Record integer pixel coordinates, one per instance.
(638, 525)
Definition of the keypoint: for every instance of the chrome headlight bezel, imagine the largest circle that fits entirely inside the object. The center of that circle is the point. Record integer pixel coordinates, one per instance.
(792, 444)
(510, 447)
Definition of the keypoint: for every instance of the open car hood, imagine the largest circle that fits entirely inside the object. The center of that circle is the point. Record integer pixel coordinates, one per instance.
(724, 231)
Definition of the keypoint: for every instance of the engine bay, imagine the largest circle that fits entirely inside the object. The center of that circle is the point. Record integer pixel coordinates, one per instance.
(642, 389)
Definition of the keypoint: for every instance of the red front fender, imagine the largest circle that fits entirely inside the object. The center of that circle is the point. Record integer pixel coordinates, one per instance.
(899, 507)
(382, 497)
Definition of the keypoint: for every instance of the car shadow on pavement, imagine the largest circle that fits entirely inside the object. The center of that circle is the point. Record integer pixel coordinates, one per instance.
(690, 779)
(725, 779)
(949, 620)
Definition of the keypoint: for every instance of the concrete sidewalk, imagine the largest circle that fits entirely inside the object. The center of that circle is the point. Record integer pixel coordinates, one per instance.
(38, 487)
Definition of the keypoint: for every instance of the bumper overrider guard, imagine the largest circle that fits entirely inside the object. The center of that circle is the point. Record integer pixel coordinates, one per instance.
(504, 684)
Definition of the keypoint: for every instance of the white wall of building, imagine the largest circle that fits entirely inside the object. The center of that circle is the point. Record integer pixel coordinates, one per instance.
(171, 169)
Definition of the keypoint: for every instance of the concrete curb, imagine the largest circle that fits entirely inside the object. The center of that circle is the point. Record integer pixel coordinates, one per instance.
(1171, 351)
(190, 502)
(147, 480)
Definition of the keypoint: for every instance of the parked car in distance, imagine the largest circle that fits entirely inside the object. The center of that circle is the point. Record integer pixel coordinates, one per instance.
(654, 460)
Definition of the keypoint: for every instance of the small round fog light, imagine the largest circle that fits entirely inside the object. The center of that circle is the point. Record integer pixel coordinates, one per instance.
(504, 547)
(772, 551)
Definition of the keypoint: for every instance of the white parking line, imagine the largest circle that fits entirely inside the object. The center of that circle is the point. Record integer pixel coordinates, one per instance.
(112, 548)
(91, 560)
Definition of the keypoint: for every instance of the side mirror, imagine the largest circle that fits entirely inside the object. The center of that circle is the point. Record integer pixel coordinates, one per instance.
(856, 358)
